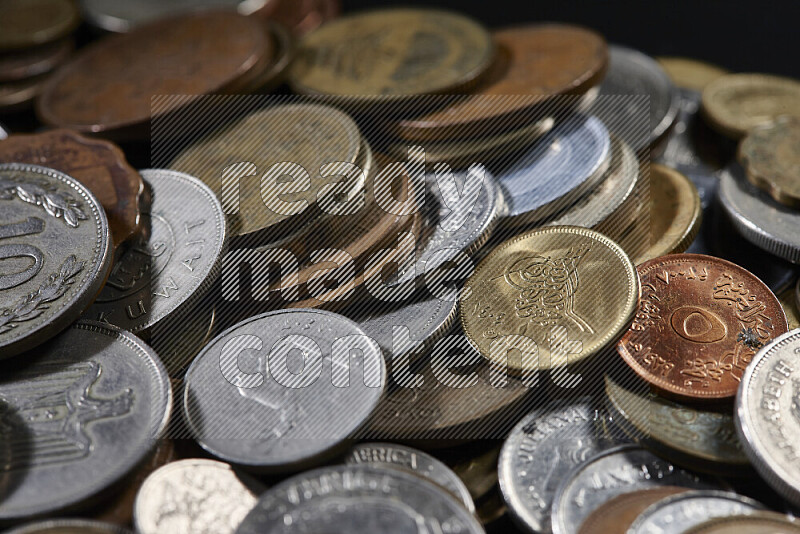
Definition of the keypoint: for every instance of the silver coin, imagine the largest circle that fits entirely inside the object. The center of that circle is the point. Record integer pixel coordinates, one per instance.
(678, 513)
(768, 414)
(413, 461)
(283, 390)
(69, 526)
(358, 499)
(194, 496)
(174, 264)
(560, 167)
(55, 243)
(81, 412)
(757, 217)
(616, 471)
(540, 450)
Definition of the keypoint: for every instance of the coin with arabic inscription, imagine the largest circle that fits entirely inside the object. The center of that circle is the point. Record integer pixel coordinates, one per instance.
(770, 155)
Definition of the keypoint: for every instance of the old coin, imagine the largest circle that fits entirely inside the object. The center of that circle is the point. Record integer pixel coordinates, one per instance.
(55, 236)
(616, 515)
(99, 165)
(69, 526)
(541, 288)
(736, 103)
(195, 495)
(20, 65)
(770, 155)
(701, 320)
(80, 412)
(690, 73)
(108, 87)
(375, 55)
(413, 461)
(678, 513)
(28, 23)
(756, 523)
(284, 414)
(173, 263)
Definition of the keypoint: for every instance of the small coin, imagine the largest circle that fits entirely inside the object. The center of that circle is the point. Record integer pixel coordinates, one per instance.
(736, 103)
(69, 526)
(174, 263)
(56, 237)
(616, 515)
(125, 15)
(358, 499)
(195, 495)
(20, 65)
(28, 23)
(413, 461)
(591, 296)
(690, 73)
(770, 155)
(701, 320)
(374, 56)
(80, 412)
(757, 523)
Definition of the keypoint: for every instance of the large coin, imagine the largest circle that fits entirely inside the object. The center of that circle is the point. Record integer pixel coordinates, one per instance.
(616, 515)
(55, 236)
(771, 156)
(79, 413)
(27, 23)
(69, 526)
(757, 523)
(689, 73)
(174, 263)
(701, 320)
(536, 291)
(358, 499)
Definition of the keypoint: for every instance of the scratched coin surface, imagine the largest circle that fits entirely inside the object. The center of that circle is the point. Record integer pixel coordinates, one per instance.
(557, 296)
(770, 155)
(79, 413)
(358, 499)
(755, 523)
(195, 496)
(56, 247)
(173, 263)
(616, 515)
(69, 526)
(28, 23)
(689, 73)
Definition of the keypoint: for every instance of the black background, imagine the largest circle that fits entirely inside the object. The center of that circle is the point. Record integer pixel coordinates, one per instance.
(762, 36)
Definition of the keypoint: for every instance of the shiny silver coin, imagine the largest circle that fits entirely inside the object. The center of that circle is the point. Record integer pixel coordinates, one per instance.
(194, 496)
(540, 451)
(69, 526)
(768, 414)
(610, 473)
(678, 513)
(283, 390)
(757, 217)
(77, 415)
(55, 246)
(413, 461)
(358, 499)
(176, 260)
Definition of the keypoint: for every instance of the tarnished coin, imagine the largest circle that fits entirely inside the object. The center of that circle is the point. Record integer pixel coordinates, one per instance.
(283, 390)
(413, 461)
(174, 263)
(79, 413)
(358, 499)
(690, 73)
(616, 515)
(770, 155)
(757, 523)
(69, 526)
(99, 165)
(701, 320)
(56, 244)
(27, 23)
(678, 513)
(195, 496)
(24, 64)
(734, 104)
(536, 291)
(375, 55)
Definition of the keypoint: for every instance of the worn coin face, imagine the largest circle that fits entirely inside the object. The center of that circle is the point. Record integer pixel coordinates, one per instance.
(195, 496)
(99, 165)
(56, 242)
(69, 526)
(562, 283)
(701, 320)
(360, 499)
(80, 412)
(173, 263)
(24, 64)
(28, 23)
(690, 73)
(616, 515)
(756, 523)
(375, 55)
(770, 155)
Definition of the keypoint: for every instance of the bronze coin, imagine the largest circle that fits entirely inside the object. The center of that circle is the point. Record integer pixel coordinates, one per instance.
(700, 321)
(24, 64)
(107, 88)
(544, 61)
(27, 23)
(97, 164)
(618, 514)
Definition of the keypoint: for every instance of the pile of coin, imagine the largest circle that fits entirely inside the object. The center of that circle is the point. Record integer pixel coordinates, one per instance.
(459, 281)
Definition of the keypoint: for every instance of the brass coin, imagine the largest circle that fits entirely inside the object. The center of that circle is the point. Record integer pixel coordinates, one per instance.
(619, 513)
(757, 523)
(736, 103)
(690, 73)
(24, 64)
(557, 283)
(27, 23)
(392, 53)
(770, 155)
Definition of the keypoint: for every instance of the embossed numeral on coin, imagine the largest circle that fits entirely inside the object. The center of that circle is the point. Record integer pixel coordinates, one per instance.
(32, 225)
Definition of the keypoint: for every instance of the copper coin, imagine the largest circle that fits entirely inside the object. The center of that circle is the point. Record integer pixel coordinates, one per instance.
(616, 515)
(701, 320)
(27, 23)
(107, 88)
(544, 61)
(24, 64)
(97, 164)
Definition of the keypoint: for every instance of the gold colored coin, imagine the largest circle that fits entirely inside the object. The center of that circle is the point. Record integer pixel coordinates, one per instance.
(549, 297)
(392, 53)
(771, 157)
(736, 103)
(690, 73)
